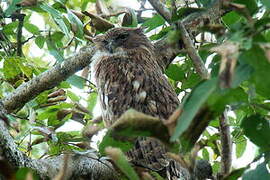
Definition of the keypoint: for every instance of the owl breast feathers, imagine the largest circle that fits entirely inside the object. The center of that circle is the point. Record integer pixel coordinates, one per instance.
(127, 75)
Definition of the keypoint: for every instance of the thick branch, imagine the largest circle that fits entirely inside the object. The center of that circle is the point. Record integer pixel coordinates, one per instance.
(47, 80)
(167, 49)
(79, 165)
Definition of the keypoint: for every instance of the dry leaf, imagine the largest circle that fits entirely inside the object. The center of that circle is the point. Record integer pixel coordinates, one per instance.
(172, 121)
(229, 54)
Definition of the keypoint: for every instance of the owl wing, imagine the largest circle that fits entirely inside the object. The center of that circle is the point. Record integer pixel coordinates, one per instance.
(125, 83)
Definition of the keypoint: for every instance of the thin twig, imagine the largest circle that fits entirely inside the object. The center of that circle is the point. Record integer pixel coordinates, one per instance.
(28, 39)
(144, 9)
(113, 14)
(69, 43)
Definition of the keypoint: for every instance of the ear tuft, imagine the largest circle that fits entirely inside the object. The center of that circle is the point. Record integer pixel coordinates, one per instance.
(139, 30)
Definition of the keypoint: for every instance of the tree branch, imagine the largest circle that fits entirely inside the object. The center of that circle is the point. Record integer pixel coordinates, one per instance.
(47, 80)
(79, 164)
(226, 144)
(161, 9)
(193, 54)
(19, 34)
(167, 49)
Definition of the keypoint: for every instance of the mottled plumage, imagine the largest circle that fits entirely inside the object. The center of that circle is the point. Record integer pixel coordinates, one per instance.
(127, 75)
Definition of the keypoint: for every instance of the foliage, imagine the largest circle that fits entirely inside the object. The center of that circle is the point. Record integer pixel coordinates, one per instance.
(54, 30)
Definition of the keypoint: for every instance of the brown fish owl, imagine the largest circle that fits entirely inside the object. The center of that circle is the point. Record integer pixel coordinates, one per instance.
(127, 75)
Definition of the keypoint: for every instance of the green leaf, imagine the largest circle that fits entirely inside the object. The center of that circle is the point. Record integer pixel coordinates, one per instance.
(266, 3)
(40, 40)
(222, 97)
(251, 5)
(262, 22)
(57, 38)
(32, 28)
(161, 33)
(50, 10)
(216, 167)
(77, 22)
(205, 51)
(73, 96)
(205, 154)
(92, 101)
(231, 18)
(257, 129)
(12, 7)
(23, 173)
(54, 52)
(10, 28)
(191, 81)
(76, 81)
(64, 85)
(42, 97)
(84, 4)
(242, 73)
(153, 22)
(11, 67)
(109, 140)
(60, 6)
(121, 162)
(196, 99)
(256, 58)
(235, 174)
(241, 147)
(53, 121)
(27, 70)
(175, 72)
(56, 148)
(43, 115)
(260, 172)
(57, 16)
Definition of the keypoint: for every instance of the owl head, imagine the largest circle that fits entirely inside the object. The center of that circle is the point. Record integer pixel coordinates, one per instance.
(122, 39)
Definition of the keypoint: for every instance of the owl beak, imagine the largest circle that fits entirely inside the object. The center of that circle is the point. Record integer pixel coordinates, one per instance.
(109, 47)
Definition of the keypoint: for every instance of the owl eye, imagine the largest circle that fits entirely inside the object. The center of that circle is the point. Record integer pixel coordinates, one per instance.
(105, 42)
(122, 36)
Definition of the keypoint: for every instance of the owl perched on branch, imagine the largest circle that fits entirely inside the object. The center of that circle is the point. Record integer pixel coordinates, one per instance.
(128, 75)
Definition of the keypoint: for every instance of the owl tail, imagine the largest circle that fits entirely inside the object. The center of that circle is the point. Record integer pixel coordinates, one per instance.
(150, 153)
